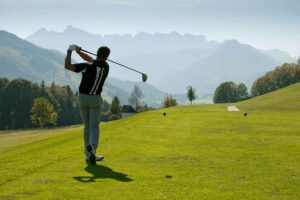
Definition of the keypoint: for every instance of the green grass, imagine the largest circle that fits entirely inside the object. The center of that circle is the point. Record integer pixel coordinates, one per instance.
(194, 152)
(285, 99)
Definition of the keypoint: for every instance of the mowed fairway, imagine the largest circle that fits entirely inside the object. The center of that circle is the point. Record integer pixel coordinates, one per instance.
(194, 152)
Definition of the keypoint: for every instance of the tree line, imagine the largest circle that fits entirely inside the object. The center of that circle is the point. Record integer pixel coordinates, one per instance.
(227, 92)
(24, 104)
(16, 103)
(280, 77)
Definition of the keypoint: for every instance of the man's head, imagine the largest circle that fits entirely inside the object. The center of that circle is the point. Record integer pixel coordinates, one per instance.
(103, 53)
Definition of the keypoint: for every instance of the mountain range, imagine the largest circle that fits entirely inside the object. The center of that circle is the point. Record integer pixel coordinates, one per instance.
(231, 61)
(20, 58)
(172, 60)
(121, 45)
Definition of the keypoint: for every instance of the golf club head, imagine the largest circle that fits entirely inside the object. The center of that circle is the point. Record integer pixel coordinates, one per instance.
(144, 77)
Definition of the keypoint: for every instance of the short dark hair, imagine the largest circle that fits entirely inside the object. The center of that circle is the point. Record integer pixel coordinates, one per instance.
(103, 52)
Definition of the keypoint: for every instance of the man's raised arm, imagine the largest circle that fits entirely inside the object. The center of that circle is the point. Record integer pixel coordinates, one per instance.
(68, 63)
(83, 55)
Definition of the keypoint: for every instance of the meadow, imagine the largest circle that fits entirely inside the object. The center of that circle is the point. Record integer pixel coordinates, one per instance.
(193, 152)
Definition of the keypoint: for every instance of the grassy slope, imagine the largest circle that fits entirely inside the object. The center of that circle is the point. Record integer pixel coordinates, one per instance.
(195, 152)
(285, 99)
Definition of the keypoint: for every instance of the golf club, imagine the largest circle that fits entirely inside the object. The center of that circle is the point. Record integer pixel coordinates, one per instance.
(144, 76)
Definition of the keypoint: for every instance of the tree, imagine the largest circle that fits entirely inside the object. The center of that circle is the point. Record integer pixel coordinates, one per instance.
(3, 103)
(191, 94)
(53, 88)
(224, 93)
(298, 62)
(43, 89)
(136, 97)
(42, 112)
(263, 85)
(242, 92)
(169, 101)
(230, 92)
(65, 104)
(104, 106)
(20, 94)
(16, 99)
(297, 73)
(284, 75)
(68, 111)
(115, 107)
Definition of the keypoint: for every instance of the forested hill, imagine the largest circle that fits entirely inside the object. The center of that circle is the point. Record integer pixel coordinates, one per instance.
(20, 58)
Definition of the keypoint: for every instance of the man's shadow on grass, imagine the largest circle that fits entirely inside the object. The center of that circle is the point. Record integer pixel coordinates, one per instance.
(102, 172)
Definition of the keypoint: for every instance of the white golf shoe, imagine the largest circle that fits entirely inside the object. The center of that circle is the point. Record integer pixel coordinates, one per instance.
(99, 158)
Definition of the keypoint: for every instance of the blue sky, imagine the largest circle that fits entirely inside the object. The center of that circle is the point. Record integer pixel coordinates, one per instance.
(265, 24)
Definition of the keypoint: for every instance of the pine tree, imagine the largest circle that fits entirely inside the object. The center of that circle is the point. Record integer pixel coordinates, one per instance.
(191, 94)
(43, 89)
(115, 107)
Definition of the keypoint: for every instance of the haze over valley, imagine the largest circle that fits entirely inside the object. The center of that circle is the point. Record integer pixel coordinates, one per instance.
(172, 60)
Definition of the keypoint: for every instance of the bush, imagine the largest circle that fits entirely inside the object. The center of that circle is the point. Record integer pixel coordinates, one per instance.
(114, 117)
(169, 102)
(105, 116)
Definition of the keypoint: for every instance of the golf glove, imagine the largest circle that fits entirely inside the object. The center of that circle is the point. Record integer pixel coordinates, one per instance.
(72, 47)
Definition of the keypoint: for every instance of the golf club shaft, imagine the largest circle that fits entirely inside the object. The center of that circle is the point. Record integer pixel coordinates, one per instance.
(113, 62)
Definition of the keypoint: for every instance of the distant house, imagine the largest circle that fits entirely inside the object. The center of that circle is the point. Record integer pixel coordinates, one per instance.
(127, 111)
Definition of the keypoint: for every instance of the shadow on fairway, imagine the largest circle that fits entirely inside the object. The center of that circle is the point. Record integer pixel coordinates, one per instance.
(102, 172)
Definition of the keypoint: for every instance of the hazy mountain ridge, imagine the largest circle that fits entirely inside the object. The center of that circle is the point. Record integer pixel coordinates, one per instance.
(280, 55)
(151, 93)
(122, 45)
(20, 58)
(232, 61)
(150, 53)
(159, 63)
(171, 60)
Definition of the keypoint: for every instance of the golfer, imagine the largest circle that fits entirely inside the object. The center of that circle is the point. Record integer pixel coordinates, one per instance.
(94, 73)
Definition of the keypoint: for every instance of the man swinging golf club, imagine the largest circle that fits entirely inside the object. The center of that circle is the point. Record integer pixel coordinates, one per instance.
(94, 73)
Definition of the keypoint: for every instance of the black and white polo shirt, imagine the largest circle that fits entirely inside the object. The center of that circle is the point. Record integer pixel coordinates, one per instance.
(93, 76)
